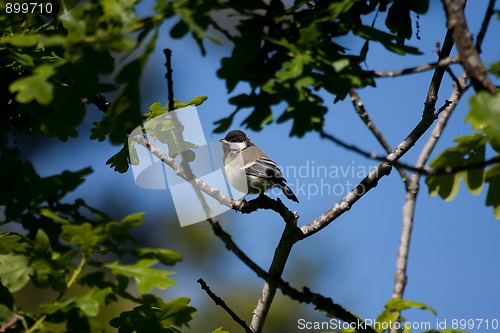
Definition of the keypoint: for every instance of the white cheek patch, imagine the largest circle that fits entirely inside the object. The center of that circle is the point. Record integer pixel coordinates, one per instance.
(237, 146)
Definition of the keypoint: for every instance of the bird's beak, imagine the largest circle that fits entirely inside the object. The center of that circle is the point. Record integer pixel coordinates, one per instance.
(223, 141)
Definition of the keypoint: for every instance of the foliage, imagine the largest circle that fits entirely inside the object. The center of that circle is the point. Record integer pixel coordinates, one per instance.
(289, 54)
(471, 151)
(51, 68)
(283, 58)
(64, 247)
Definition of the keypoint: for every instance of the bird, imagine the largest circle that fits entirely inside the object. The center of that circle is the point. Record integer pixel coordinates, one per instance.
(249, 169)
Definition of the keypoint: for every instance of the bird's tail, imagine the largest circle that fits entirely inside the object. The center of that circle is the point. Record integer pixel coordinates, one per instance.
(287, 192)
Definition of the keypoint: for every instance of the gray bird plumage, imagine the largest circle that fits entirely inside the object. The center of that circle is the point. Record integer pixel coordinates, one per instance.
(262, 173)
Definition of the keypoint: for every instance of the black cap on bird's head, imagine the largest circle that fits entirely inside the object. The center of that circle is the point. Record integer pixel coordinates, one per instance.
(236, 136)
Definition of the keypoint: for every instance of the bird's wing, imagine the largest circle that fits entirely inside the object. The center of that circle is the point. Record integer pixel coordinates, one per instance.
(264, 167)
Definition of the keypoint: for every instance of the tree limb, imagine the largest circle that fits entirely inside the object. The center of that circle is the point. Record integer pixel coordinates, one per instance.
(384, 168)
(469, 55)
(484, 26)
(275, 272)
(220, 302)
(422, 68)
(363, 114)
(411, 195)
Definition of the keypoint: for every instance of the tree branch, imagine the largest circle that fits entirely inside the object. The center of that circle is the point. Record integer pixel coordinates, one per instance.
(445, 62)
(484, 26)
(275, 272)
(384, 168)
(220, 302)
(363, 114)
(411, 195)
(222, 30)
(469, 56)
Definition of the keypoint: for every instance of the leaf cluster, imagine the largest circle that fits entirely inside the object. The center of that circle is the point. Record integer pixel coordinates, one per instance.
(74, 244)
(470, 153)
(286, 55)
(52, 67)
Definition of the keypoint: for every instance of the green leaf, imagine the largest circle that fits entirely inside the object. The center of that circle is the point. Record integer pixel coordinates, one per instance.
(120, 161)
(397, 304)
(399, 20)
(51, 215)
(155, 316)
(392, 312)
(220, 330)
(198, 100)
(15, 271)
(165, 256)
(20, 40)
(495, 69)
(91, 302)
(179, 30)
(492, 177)
(386, 317)
(224, 123)
(85, 236)
(177, 312)
(419, 6)
(119, 231)
(156, 107)
(35, 87)
(146, 278)
(469, 150)
(63, 306)
(47, 272)
(387, 40)
(42, 242)
(11, 242)
(484, 114)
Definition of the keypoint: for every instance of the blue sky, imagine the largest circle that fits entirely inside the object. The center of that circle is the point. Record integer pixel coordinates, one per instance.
(453, 264)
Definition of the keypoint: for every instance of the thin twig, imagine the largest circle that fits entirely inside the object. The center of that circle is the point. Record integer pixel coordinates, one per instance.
(222, 30)
(363, 114)
(430, 104)
(37, 324)
(10, 323)
(168, 76)
(484, 26)
(220, 302)
(453, 76)
(262, 202)
(409, 206)
(306, 296)
(411, 195)
(424, 170)
(384, 168)
(76, 272)
(445, 62)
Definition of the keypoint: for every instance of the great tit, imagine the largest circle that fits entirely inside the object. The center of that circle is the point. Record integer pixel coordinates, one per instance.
(243, 158)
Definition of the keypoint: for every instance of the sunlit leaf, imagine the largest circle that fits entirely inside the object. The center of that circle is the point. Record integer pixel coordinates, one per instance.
(11, 242)
(15, 271)
(165, 256)
(469, 150)
(146, 278)
(484, 115)
(35, 87)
